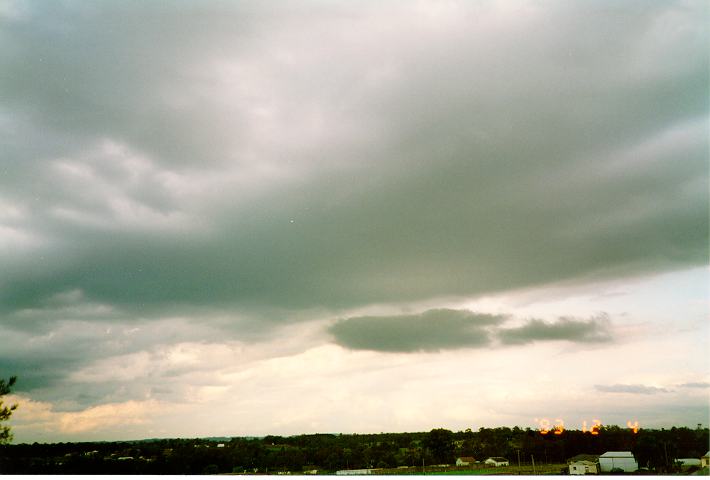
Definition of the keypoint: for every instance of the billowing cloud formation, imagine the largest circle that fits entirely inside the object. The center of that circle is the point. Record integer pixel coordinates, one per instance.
(640, 389)
(40, 416)
(584, 331)
(429, 331)
(241, 159)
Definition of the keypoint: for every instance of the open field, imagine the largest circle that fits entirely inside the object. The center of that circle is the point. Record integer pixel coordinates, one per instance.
(512, 470)
(546, 469)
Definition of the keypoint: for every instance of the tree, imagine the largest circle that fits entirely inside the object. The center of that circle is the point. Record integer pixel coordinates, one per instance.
(6, 411)
(440, 442)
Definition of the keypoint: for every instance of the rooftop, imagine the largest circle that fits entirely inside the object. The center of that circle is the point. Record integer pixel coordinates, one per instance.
(617, 454)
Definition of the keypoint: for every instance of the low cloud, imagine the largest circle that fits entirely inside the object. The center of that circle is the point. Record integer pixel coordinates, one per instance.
(44, 416)
(639, 389)
(582, 331)
(445, 329)
(695, 385)
(432, 330)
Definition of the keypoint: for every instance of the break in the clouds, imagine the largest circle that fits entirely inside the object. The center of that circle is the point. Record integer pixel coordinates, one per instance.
(583, 331)
(183, 177)
(639, 389)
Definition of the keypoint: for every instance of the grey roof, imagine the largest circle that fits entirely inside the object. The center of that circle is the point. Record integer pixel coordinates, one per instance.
(626, 454)
(582, 457)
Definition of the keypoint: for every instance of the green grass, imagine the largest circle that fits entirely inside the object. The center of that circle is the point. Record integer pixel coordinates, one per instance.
(478, 471)
(553, 469)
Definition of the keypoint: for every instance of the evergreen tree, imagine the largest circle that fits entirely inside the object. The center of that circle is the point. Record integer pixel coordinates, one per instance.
(6, 411)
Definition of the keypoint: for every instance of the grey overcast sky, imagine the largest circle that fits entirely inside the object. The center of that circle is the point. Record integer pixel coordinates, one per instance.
(244, 218)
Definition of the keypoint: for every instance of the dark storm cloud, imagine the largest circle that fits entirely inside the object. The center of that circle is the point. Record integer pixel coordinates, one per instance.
(581, 331)
(639, 389)
(582, 166)
(240, 157)
(432, 330)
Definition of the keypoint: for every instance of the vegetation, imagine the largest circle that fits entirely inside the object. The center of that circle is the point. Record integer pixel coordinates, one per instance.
(327, 453)
(5, 410)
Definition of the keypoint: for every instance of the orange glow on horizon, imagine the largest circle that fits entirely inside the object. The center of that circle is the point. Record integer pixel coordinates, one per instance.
(559, 426)
(633, 426)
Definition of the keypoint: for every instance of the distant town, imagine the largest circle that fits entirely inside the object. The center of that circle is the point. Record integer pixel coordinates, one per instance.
(487, 451)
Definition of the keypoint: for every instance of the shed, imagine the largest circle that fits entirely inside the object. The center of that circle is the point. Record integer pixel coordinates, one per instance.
(624, 461)
(465, 461)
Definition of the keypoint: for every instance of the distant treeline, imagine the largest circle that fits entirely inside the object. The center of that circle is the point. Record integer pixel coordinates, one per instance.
(326, 453)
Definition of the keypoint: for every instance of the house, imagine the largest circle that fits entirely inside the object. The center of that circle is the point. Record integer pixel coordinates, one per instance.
(583, 464)
(705, 460)
(465, 461)
(359, 471)
(624, 461)
(497, 461)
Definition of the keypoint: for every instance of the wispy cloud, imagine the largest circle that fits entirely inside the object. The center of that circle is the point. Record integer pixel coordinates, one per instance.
(694, 385)
(636, 389)
(42, 416)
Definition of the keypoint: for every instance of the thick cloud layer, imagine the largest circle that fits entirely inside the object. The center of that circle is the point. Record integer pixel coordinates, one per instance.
(170, 154)
(217, 173)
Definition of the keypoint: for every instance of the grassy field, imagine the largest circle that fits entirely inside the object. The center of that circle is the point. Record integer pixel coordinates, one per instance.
(552, 469)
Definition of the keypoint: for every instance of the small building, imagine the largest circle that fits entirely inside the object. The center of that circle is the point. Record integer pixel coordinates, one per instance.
(688, 462)
(611, 461)
(705, 460)
(465, 461)
(220, 445)
(359, 471)
(583, 464)
(497, 461)
(583, 467)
